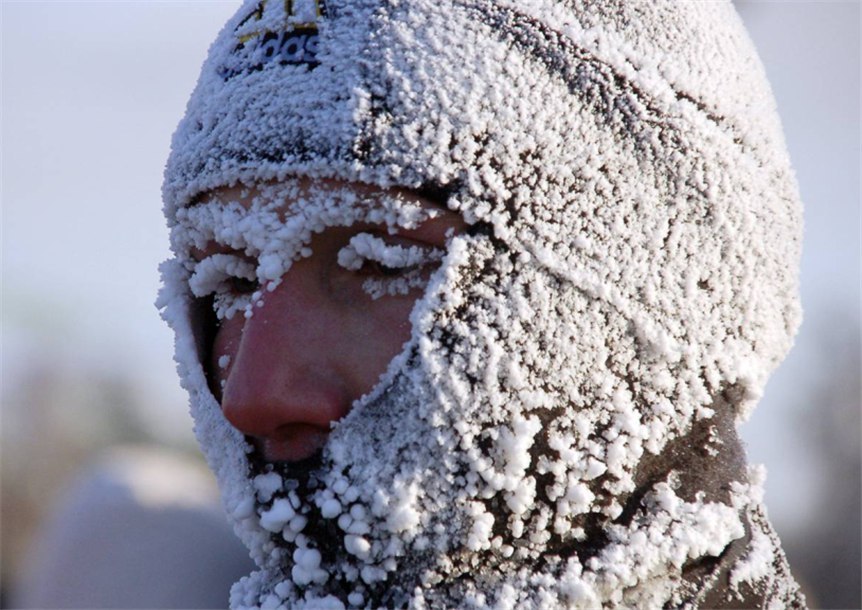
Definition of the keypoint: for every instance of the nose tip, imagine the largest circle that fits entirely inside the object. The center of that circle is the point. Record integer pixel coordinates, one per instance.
(285, 421)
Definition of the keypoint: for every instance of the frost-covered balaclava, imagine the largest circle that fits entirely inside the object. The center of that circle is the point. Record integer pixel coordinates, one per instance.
(560, 430)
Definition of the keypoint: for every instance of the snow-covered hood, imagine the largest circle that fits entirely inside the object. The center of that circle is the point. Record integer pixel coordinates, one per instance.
(560, 429)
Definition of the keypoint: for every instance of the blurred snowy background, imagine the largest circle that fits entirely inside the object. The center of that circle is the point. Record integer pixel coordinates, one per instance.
(91, 92)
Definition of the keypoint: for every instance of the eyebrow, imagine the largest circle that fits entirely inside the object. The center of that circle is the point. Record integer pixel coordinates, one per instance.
(434, 194)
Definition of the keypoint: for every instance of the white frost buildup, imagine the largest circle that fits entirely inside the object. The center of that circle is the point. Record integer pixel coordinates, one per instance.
(757, 562)
(275, 518)
(402, 515)
(267, 484)
(479, 537)
(559, 429)
(306, 568)
(330, 508)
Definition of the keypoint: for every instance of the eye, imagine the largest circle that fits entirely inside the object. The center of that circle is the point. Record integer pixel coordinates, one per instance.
(389, 268)
(228, 278)
(372, 255)
(376, 268)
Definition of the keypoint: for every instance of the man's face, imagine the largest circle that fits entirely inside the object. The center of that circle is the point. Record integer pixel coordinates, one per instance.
(316, 339)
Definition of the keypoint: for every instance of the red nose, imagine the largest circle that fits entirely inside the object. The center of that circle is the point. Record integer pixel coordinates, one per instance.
(282, 386)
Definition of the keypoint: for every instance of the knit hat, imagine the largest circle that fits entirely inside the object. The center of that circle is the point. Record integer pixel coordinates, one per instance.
(560, 429)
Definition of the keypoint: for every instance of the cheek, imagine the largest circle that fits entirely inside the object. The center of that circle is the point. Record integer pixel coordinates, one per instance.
(384, 326)
(393, 320)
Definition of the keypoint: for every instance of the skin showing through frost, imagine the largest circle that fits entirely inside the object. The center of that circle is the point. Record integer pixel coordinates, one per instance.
(318, 338)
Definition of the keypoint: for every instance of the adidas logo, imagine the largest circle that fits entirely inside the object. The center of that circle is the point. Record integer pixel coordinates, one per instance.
(282, 31)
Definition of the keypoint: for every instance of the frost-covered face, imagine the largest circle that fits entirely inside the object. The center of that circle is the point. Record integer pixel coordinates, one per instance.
(554, 426)
(322, 334)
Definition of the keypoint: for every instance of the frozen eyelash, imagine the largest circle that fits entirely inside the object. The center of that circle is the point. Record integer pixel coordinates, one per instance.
(377, 287)
(210, 273)
(365, 246)
(212, 276)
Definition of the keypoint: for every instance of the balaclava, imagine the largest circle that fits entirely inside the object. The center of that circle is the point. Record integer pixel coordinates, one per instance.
(560, 430)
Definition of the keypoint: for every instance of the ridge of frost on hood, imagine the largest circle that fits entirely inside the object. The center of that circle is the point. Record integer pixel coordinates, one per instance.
(630, 286)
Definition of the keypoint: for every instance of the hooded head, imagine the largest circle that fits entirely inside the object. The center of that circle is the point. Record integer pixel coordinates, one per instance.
(559, 427)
